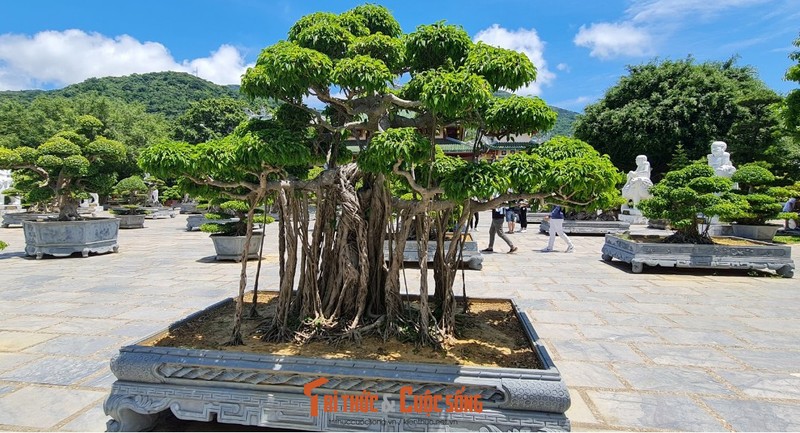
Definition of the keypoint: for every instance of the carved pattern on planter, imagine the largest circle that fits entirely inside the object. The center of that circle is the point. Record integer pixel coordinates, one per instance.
(762, 257)
(62, 238)
(137, 407)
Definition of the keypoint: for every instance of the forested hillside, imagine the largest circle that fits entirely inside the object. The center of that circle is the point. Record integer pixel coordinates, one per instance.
(166, 93)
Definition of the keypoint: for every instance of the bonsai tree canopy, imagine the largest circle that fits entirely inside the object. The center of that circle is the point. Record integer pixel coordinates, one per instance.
(756, 201)
(684, 194)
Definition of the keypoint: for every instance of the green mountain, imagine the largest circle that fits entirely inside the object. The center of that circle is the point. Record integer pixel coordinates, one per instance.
(167, 93)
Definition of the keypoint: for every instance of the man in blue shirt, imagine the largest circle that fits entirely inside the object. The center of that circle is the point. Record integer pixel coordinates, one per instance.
(557, 226)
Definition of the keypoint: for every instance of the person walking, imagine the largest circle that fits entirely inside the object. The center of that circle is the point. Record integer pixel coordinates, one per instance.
(557, 227)
(523, 216)
(498, 216)
(473, 222)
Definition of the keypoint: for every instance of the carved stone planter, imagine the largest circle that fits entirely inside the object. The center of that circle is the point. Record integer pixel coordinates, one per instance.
(266, 390)
(471, 255)
(159, 212)
(589, 227)
(189, 208)
(131, 221)
(231, 247)
(763, 233)
(17, 218)
(536, 217)
(762, 256)
(62, 238)
(195, 221)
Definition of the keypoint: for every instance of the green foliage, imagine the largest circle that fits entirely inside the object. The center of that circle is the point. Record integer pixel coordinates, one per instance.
(399, 145)
(660, 104)
(453, 94)
(437, 45)
(756, 201)
(502, 68)
(329, 38)
(791, 111)
(387, 49)
(133, 188)
(679, 158)
(3, 245)
(378, 19)
(683, 194)
(478, 179)
(519, 115)
(286, 70)
(362, 75)
(209, 119)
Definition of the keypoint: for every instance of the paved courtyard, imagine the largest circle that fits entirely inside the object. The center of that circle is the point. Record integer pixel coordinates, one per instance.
(662, 350)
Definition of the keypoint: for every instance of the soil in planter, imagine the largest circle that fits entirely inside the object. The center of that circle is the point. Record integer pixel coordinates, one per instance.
(490, 335)
(727, 241)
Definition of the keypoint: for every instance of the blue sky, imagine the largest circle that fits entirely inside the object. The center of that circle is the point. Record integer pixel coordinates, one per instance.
(581, 47)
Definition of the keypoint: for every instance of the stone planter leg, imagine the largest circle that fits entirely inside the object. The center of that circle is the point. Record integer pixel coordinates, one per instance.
(786, 271)
(606, 257)
(637, 267)
(123, 410)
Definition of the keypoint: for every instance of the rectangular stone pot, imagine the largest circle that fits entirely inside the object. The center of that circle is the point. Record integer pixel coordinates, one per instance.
(62, 238)
(17, 218)
(589, 227)
(232, 247)
(471, 255)
(131, 221)
(762, 256)
(159, 212)
(267, 390)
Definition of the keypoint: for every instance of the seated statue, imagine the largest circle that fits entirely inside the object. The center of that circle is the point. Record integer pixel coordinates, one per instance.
(720, 160)
(637, 188)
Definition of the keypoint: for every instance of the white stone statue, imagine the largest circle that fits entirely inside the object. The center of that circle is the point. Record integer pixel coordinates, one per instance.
(637, 188)
(720, 160)
(154, 197)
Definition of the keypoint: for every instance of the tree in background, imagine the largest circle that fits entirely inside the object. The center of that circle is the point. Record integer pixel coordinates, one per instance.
(663, 103)
(209, 119)
(69, 165)
(785, 156)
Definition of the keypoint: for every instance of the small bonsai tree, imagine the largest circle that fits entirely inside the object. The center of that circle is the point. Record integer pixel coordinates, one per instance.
(757, 201)
(70, 164)
(238, 209)
(684, 194)
(133, 189)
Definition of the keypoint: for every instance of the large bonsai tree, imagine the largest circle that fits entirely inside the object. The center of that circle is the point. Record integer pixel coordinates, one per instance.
(757, 200)
(345, 284)
(69, 164)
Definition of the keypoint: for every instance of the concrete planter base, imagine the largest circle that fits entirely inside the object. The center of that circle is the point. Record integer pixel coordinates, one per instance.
(266, 390)
(589, 227)
(763, 256)
(159, 212)
(62, 238)
(763, 233)
(189, 208)
(471, 255)
(17, 218)
(231, 247)
(131, 221)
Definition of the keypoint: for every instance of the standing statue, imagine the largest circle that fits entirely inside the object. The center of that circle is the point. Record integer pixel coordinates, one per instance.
(637, 188)
(720, 160)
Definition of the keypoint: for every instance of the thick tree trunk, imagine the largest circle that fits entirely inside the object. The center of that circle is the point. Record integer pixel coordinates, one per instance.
(68, 208)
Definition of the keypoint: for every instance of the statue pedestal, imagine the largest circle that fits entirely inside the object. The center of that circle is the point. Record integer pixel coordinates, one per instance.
(632, 216)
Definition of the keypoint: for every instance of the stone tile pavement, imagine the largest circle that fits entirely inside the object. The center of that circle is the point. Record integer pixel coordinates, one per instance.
(663, 350)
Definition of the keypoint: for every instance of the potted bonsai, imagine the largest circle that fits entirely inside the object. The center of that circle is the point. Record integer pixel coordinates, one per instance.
(755, 203)
(681, 197)
(69, 164)
(132, 191)
(341, 276)
(229, 237)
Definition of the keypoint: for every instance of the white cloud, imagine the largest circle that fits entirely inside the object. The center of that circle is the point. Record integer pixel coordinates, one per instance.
(525, 41)
(563, 67)
(55, 58)
(674, 10)
(608, 40)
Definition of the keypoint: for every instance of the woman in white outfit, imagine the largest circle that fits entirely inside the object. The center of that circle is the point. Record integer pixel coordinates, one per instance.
(557, 226)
